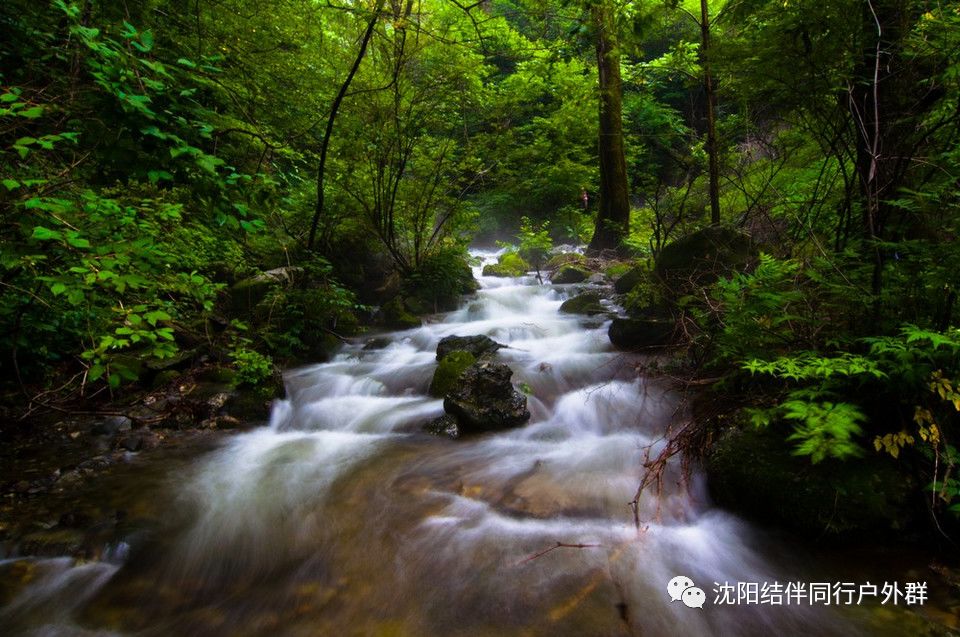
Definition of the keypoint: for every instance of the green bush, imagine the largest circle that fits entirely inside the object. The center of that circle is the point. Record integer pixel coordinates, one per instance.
(253, 368)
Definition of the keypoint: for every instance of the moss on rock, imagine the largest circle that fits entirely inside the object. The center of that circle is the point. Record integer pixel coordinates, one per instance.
(565, 258)
(570, 274)
(630, 279)
(395, 314)
(586, 303)
(510, 264)
(448, 372)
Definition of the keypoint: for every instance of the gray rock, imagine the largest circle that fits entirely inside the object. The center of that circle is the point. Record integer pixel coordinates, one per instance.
(377, 342)
(477, 345)
(248, 292)
(485, 399)
(445, 425)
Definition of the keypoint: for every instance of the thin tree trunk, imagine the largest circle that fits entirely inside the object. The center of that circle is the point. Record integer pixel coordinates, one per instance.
(613, 217)
(328, 133)
(712, 149)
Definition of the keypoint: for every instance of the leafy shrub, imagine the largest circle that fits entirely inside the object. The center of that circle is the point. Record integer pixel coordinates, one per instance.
(252, 367)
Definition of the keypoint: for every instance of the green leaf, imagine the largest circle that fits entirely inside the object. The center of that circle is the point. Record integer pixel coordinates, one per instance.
(58, 288)
(46, 234)
(156, 315)
(31, 113)
(76, 241)
(159, 175)
(11, 184)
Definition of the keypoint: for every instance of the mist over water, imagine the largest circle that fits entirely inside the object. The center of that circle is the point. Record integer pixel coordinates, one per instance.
(342, 518)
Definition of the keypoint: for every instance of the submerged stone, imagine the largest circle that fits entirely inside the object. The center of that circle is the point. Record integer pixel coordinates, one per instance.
(445, 425)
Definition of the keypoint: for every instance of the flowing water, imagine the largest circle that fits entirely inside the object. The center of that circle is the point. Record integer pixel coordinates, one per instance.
(342, 518)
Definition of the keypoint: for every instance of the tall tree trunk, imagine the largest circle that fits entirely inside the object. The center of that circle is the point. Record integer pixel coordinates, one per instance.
(711, 113)
(328, 133)
(613, 217)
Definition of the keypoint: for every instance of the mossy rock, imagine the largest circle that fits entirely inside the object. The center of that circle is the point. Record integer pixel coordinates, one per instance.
(630, 279)
(617, 270)
(419, 306)
(557, 261)
(754, 473)
(394, 314)
(449, 371)
(246, 294)
(586, 303)
(218, 375)
(570, 274)
(631, 334)
(165, 378)
(510, 264)
(704, 256)
(478, 345)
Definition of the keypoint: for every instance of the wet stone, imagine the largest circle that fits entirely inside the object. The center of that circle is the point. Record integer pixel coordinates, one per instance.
(478, 345)
(485, 399)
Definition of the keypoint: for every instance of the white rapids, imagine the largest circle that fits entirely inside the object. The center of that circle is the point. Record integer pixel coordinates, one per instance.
(342, 517)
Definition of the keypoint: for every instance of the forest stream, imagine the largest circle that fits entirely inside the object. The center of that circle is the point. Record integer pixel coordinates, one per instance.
(341, 517)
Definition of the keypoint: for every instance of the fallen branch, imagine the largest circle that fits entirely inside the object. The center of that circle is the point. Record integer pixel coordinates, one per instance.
(558, 545)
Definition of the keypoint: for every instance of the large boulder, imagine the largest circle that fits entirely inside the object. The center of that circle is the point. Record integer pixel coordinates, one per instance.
(641, 333)
(586, 303)
(510, 264)
(394, 314)
(478, 345)
(755, 473)
(557, 261)
(633, 277)
(703, 257)
(570, 274)
(246, 294)
(485, 399)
